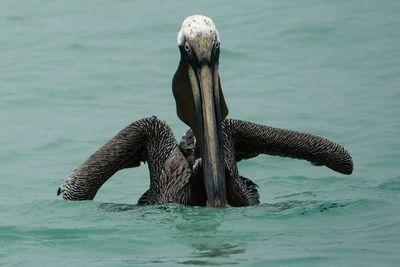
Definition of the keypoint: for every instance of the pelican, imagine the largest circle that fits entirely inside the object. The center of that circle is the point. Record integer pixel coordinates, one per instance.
(200, 170)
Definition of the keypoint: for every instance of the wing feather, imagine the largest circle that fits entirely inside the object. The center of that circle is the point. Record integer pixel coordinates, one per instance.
(252, 139)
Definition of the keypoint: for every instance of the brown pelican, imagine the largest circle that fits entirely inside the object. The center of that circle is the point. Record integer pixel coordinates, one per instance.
(202, 168)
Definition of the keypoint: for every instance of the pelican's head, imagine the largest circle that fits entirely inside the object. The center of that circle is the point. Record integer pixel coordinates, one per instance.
(199, 99)
(199, 37)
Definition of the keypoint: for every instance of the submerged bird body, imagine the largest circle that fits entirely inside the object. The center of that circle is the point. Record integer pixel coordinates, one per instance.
(202, 168)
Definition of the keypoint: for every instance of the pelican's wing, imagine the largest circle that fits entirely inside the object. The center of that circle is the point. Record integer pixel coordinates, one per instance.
(149, 140)
(252, 139)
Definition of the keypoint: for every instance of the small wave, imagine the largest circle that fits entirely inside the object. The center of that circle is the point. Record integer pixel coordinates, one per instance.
(57, 143)
(229, 53)
(113, 207)
(392, 184)
(16, 18)
(307, 207)
(305, 193)
(76, 47)
(311, 30)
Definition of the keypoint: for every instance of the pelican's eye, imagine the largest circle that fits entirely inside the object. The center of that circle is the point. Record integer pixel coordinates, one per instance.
(216, 45)
(188, 49)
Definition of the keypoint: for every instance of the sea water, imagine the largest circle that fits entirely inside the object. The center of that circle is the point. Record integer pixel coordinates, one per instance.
(73, 73)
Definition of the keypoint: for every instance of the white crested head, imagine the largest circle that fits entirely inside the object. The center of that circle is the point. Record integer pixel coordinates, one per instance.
(200, 33)
(196, 26)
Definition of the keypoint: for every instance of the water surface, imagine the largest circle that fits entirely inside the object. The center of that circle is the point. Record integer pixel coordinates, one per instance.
(73, 73)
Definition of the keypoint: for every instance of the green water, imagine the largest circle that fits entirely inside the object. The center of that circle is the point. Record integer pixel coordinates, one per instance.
(73, 73)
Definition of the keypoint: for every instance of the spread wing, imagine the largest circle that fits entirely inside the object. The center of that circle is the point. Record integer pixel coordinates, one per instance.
(149, 140)
(252, 139)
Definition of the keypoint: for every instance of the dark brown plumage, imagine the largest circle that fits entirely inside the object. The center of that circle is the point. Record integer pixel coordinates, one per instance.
(202, 169)
(175, 170)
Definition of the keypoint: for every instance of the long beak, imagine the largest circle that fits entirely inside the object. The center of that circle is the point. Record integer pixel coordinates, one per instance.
(201, 105)
(207, 105)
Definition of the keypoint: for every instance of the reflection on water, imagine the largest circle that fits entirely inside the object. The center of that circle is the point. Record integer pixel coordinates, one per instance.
(192, 214)
(222, 250)
(200, 228)
(216, 254)
(204, 220)
(206, 234)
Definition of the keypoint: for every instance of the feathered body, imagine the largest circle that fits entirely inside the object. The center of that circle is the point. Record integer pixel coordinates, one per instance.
(175, 169)
(202, 169)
